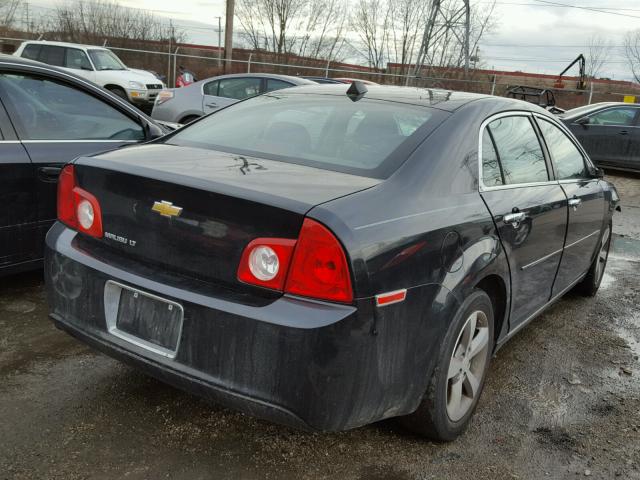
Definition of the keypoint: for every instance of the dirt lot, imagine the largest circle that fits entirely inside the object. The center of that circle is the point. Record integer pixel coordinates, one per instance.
(562, 401)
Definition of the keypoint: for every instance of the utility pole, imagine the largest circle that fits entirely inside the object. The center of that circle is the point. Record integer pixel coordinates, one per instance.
(228, 36)
(467, 35)
(169, 80)
(219, 41)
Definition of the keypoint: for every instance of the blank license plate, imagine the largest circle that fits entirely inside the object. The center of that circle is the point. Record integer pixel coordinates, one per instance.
(150, 319)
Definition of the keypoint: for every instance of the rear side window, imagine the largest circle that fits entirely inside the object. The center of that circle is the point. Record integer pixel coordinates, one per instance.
(566, 158)
(211, 88)
(52, 55)
(239, 88)
(623, 117)
(274, 84)
(491, 172)
(519, 150)
(325, 131)
(31, 51)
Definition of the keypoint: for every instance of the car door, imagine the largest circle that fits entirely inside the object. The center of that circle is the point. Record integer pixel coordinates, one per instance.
(228, 91)
(528, 207)
(18, 219)
(57, 121)
(606, 136)
(586, 202)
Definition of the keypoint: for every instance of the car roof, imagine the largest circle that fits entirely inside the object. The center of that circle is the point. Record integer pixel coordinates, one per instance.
(446, 100)
(289, 78)
(594, 107)
(64, 44)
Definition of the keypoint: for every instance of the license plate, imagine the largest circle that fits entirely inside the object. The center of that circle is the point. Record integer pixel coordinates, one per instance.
(144, 319)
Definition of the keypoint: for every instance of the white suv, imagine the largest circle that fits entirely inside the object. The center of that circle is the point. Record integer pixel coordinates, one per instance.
(98, 64)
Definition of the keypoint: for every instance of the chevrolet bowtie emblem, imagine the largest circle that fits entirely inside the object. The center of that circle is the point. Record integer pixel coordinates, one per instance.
(166, 209)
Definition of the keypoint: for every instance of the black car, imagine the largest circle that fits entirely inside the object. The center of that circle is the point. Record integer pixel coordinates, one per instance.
(327, 260)
(609, 132)
(47, 118)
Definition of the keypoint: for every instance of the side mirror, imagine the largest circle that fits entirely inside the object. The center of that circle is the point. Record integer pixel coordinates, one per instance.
(599, 173)
(584, 121)
(152, 131)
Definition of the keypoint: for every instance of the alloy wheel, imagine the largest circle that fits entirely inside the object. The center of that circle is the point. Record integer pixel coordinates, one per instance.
(467, 365)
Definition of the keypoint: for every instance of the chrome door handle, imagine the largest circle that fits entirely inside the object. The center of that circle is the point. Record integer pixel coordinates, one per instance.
(574, 202)
(212, 105)
(514, 218)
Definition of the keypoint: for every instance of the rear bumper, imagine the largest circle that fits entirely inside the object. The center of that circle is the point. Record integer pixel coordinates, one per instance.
(307, 364)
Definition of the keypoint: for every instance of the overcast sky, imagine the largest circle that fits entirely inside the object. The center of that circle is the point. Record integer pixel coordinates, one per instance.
(530, 35)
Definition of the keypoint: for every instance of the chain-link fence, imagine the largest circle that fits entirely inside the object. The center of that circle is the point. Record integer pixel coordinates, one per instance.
(205, 62)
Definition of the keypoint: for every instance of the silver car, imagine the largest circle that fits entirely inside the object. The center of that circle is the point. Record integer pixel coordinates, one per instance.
(183, 105)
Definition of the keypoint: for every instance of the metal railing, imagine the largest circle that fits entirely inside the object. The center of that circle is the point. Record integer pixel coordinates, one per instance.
(211, 65)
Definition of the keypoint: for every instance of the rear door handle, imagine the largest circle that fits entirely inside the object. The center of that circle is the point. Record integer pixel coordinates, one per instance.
(575, 202)
(514, 218)
(624, 132)
(211, 105)
(49, 174)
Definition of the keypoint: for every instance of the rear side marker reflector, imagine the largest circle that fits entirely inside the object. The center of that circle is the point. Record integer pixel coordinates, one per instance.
(390, 298)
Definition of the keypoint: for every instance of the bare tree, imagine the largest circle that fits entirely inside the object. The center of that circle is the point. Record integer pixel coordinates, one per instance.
(598, 50)
(406, 24)
(371, 21)
(313, 28)
(94, 21)
(8, 10)
(632, 52)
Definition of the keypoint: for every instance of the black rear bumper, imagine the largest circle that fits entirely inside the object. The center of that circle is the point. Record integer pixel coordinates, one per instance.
(307, 364)
(184, 381)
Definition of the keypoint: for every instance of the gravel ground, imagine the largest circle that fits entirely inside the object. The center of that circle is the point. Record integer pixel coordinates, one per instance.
(562, 401)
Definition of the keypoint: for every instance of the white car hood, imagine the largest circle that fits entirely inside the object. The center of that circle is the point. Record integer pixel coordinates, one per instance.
(129, 75)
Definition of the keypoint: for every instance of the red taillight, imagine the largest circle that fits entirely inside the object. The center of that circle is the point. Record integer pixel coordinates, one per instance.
(313, 266)
(265, 262)
(77, 208)
(319, 267)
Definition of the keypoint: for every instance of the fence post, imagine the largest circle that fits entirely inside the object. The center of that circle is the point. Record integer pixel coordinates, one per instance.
(175, 61)
(493, 85)
(590, 93)
(326, 70)
(249, 63)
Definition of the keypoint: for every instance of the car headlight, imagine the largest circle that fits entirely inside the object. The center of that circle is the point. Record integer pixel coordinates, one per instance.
(137, 85)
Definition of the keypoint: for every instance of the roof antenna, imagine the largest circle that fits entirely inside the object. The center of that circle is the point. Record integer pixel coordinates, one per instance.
(356, 91)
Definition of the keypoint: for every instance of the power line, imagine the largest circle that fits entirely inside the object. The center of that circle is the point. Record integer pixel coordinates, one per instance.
(590, 9)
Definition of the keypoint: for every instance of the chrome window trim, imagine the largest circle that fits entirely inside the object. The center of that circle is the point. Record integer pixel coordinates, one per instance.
(484, 188)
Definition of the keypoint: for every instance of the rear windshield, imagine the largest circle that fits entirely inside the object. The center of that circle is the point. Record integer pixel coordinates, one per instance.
(368, 137)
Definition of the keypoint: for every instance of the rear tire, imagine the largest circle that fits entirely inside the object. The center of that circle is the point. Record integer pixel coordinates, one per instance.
(458, 378)
(591, 283)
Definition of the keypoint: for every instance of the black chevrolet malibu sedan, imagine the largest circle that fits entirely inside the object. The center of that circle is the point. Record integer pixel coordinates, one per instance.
(327, 260)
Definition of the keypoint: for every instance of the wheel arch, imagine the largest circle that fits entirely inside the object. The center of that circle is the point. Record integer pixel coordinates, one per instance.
(496, 289)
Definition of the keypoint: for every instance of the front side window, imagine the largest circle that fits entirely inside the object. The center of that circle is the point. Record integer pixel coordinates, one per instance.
(239, 88)
(44, 109)
(211, 88)
(567, 159)
(77, 60)
(519, 150)
(620, 117)
(106, 60)
(324, 131)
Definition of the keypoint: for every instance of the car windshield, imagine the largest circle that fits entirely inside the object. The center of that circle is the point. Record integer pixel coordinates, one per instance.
(106, 60)
(585, 110)
(323, 131)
